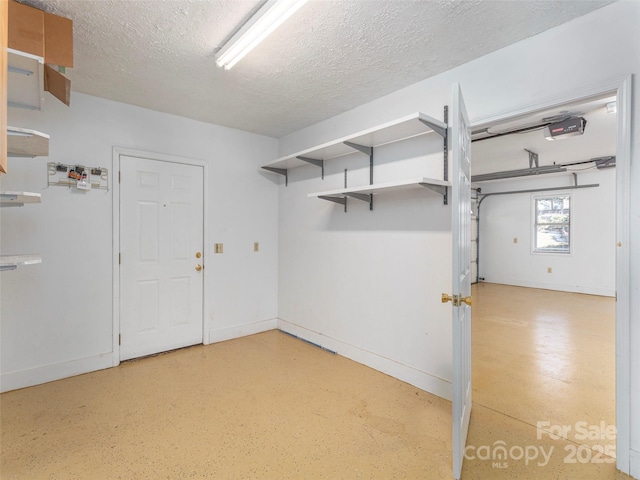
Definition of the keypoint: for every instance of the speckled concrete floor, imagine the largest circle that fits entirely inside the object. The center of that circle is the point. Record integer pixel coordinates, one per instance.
(548, 357)
(271, 406)
(265, 406)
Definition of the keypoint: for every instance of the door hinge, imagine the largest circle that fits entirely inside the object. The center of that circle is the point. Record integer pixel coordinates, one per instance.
(119, 259)
(119, 339)
(119, 176)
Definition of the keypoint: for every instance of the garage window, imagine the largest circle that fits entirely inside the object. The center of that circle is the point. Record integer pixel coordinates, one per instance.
(552, 224)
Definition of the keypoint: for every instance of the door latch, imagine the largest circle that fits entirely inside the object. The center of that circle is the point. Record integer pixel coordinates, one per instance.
(455, 299)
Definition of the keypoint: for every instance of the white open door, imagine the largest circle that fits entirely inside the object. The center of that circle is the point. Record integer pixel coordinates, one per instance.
(161, 241)
(460, 144)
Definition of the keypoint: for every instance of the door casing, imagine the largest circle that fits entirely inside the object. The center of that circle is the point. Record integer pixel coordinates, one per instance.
(117, 153)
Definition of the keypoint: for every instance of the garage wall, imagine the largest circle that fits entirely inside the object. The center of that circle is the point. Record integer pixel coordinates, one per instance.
(367, 283)
(589, 268)
(57, 317)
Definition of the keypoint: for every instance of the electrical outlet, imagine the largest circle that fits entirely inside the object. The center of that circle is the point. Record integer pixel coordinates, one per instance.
(256, 246)
(549, 270)
(218, 248)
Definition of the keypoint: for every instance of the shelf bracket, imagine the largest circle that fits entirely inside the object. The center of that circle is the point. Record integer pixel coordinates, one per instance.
(280, 171)
(339, 200)
(366, 151)
(445, 149)
(360, 148)
(313, 161)
(363, 197)
(533, 158)
(439, 129)
(441, 189)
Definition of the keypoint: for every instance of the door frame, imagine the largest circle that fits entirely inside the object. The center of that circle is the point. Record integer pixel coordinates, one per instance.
(160, 157)
(621, 87)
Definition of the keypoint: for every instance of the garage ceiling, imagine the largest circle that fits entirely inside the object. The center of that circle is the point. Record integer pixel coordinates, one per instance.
(330, 57)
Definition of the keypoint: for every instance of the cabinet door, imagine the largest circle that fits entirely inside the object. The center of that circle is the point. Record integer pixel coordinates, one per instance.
(26, 29)
(58, 40)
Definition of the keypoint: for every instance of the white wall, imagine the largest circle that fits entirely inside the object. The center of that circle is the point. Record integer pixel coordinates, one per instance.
(589, 268)
(606, 46)
(358, 282)
(57, 317)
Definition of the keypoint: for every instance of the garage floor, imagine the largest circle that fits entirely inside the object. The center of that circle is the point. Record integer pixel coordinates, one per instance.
(272, 406)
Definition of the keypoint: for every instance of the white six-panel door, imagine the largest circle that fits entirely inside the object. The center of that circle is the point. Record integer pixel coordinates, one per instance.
(161, 236)
(461, 233)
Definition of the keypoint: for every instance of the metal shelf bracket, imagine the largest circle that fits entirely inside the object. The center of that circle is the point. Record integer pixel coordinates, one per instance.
(339, 200)
(313, 161)
(436, 128)
(445, 151)
(533, 159)
(366, 151)
(280, 171)
(363, 197)
(441, 189)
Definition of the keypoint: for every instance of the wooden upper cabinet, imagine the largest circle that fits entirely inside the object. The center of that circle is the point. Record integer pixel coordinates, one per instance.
(58, 40)
(42, 34)
(26, 28)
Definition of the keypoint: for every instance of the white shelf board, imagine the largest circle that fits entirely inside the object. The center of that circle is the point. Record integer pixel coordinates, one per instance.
(401, 129)
(25, 80)
(18, 199)
(11, 262)
(385, 187)
(24, 142)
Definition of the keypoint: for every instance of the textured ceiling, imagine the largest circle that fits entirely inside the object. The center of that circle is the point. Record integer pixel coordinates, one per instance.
(330, 57)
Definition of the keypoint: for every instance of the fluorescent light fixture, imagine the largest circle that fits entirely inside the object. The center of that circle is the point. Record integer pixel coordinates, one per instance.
(272, 14)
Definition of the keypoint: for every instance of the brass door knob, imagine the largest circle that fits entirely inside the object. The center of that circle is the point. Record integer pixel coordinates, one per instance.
(198, 267)
(466, 300)
(198, 254)
(446, 298)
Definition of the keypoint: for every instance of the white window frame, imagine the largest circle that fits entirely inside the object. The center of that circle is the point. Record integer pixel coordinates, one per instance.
(534, 224)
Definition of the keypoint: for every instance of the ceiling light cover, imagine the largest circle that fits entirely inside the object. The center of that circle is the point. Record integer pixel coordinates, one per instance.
(259, 26)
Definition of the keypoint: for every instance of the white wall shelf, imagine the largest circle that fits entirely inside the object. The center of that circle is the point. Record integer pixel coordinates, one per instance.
(11, 262)
(365, 141)
(23, 142)
(365, 193)
(18, 199)
(25, 80)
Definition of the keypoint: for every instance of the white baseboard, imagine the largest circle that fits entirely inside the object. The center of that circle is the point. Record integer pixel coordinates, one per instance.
(408, 374)
(411, 375)
(49, 373)
(600, 291)
(634, 461)
(238, 331)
